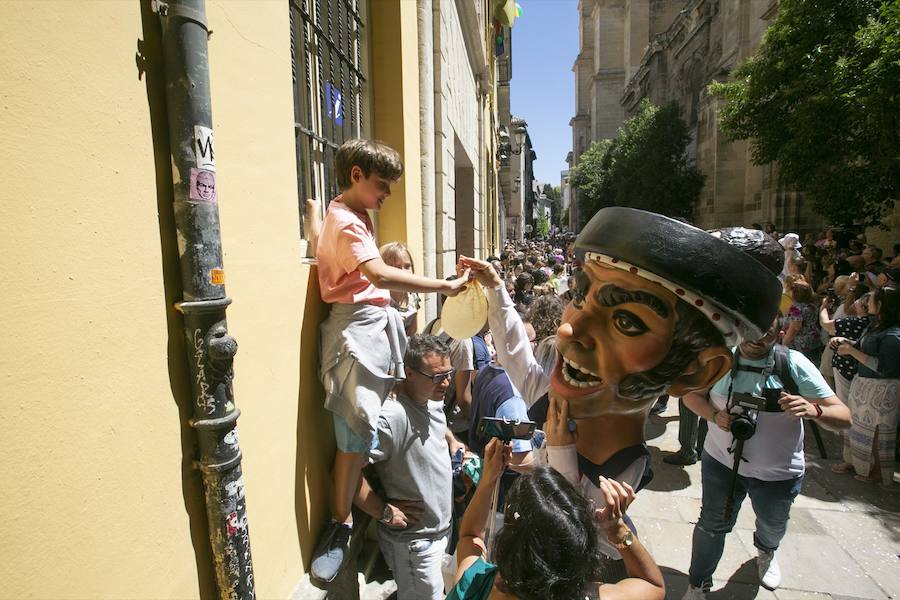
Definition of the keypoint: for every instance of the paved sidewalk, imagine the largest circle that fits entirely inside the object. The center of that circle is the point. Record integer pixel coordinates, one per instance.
(843, 540)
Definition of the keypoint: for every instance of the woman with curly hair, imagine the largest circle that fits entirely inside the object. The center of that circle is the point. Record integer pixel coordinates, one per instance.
(545, 315)
(549, 548)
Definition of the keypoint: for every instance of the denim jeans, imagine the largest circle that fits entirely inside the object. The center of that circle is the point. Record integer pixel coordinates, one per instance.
(416, 565)
(771, 502)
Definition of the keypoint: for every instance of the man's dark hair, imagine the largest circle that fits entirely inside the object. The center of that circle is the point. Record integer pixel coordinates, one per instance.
(876, 252)
(371, 156)
(539, 277)
(504, 256)
(420, 345)
(548, 548)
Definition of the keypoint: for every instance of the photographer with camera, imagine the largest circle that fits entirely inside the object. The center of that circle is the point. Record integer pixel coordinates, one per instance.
(756, 449)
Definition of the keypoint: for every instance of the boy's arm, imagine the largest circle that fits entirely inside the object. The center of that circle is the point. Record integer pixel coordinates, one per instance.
(386, 277)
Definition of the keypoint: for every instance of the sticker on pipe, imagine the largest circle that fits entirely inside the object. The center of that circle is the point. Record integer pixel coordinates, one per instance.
(204, 148)
(464, 314)
(203, 186)
(217, 276)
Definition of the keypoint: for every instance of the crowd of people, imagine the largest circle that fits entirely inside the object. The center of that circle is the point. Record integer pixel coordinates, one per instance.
(581, 341)
(841, 309)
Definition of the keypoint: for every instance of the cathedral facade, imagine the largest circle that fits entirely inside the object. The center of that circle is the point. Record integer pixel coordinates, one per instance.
(671, 50)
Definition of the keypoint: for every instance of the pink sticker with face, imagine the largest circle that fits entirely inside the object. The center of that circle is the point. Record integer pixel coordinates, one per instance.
(203, 185)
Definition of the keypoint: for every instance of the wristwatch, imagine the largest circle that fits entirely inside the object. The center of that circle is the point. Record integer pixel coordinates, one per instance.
(626, 541)
(387, 514)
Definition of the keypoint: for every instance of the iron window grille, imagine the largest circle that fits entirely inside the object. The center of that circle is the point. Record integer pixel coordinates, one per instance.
(329, 66)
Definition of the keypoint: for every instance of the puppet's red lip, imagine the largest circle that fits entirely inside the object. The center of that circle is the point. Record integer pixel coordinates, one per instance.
(568, 387)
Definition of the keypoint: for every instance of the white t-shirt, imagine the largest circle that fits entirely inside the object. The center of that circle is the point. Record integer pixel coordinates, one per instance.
(775, 452)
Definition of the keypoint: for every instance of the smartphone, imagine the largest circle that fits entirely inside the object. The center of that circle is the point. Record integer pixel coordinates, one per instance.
(505, 429)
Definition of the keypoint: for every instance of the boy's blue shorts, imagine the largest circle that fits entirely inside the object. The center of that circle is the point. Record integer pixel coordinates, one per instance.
(347, 440)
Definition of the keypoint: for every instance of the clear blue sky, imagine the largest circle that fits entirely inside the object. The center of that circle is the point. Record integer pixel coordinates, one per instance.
(542, 91)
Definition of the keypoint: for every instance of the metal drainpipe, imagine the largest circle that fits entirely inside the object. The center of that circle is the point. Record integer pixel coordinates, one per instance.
(211, 349)
(425, 18)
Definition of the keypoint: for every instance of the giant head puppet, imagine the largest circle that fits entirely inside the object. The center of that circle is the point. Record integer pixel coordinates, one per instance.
(659, 305)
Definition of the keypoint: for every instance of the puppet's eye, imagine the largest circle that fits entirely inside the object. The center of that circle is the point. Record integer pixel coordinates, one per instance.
(628, 323)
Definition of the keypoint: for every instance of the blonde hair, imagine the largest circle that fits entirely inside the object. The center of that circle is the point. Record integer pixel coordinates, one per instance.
(391, 253)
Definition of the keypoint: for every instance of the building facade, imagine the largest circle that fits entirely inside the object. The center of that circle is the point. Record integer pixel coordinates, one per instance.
(99, 447)
(671, 50)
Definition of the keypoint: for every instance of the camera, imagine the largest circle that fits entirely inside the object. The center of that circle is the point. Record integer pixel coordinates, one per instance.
(744, 424)
(505, 429)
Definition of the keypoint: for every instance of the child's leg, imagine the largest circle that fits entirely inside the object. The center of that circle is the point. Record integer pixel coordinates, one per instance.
(348, 468)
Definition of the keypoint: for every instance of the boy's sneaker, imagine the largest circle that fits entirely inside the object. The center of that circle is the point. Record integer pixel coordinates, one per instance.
(768, 569)
(333, 549)
(695, 593)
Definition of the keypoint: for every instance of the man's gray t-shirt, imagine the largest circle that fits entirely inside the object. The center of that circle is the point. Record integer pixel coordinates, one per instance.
(413, 462)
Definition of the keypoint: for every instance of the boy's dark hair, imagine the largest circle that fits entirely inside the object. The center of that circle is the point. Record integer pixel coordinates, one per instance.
(548, 548)
(420, 345)
(371, 156)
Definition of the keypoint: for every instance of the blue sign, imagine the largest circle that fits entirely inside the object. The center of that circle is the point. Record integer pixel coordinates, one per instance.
(335, 99)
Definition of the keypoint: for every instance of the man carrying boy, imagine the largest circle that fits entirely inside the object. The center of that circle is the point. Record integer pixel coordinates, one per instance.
(362, 342)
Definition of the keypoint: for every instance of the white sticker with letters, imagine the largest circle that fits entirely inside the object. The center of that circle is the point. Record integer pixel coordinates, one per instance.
(204, 149)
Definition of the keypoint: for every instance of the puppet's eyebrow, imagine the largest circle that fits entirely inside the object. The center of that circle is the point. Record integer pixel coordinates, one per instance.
(613, 295)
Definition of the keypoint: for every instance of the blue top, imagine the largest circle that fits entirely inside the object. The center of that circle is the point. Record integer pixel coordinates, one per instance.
(476, 583)
(885, 346)
(481, 355)
(494, 395)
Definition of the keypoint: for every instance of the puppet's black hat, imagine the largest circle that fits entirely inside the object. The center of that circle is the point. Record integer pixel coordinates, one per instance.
(716, 273)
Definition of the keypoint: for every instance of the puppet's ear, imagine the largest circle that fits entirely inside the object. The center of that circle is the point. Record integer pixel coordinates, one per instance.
(710, 366)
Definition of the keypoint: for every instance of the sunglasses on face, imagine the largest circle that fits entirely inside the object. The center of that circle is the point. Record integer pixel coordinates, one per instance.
(437, 378)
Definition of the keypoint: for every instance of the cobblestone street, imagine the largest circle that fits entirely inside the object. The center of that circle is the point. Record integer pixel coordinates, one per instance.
(843, 539)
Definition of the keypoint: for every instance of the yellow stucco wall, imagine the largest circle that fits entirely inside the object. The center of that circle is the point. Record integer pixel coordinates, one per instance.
(99, 500)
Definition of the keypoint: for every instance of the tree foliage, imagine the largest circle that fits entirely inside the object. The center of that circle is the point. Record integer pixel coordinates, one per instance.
(821, 96)
(645, 166)
(542, 226)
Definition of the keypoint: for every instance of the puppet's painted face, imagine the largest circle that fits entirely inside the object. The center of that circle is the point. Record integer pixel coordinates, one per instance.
(620, 325)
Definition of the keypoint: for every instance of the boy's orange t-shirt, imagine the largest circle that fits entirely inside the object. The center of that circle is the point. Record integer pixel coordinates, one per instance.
(346, 241)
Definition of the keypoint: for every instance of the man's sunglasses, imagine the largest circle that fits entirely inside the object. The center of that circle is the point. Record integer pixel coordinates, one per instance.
(437, 378)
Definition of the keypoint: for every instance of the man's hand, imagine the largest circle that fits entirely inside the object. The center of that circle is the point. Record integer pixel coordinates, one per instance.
(496, 458)
(723, 419)
(797, 406)
(405, 513)
(483, 271)
(557, 426)
(455, 445)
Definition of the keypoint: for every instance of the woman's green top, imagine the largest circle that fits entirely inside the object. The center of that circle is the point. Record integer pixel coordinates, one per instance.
(476, 583)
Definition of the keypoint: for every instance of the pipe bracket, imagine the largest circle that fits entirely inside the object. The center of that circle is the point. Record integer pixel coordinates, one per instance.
(225, 422)
(202, 306)
(219, 467)
(187, 13)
